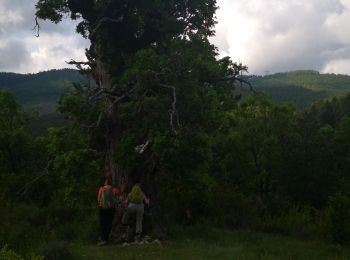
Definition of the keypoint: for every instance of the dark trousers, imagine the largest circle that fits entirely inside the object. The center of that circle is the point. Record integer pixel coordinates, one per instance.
(106, 219)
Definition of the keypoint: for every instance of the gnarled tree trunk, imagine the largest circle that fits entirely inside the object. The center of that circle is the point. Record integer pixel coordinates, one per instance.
(124, 179)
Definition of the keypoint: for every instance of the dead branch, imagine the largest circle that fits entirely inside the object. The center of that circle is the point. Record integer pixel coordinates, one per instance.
(36, 28)
(142, 147)
(80, 64)
(73, 62)
(173, 111)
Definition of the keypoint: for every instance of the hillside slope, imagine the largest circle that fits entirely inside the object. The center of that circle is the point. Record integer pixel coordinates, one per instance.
(301, 87)
(42, 90)
(39, 91)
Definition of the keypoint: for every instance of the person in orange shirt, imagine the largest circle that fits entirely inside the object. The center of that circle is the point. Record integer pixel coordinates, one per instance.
(106, 199)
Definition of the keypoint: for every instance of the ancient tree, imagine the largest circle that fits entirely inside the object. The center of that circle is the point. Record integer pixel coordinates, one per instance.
(157, 78)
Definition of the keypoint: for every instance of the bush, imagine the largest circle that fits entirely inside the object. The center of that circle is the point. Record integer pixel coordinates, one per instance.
(339, 219)
(66, 232)
(56, 250)
(89, 227)
(16, 226)
(8, 254)
(24, 227)
(297, 221)
(84, 228)
(234, 209)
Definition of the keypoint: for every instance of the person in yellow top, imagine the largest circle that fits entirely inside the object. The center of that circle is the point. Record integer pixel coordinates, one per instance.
(134, 202)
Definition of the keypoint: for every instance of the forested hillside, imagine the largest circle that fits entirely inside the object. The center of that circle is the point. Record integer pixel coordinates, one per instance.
(39, 91)
(42, 90)
(301, 87)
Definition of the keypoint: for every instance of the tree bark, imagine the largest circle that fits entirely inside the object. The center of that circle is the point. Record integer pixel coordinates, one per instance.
(124, 179)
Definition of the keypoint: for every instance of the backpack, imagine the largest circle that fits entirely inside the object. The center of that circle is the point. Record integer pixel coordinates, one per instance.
(107, 199)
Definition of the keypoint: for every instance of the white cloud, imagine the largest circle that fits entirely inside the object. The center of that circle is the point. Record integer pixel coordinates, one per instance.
(22, 52)
(52, 51)
(266, 35)
(281, 35)
(341, 66)
(9, 17)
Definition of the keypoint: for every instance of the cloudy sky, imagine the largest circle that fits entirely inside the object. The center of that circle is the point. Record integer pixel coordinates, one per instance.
(267, 35)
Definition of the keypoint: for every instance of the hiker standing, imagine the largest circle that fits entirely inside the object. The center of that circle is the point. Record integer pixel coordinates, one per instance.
(134, 202)
(106, 202)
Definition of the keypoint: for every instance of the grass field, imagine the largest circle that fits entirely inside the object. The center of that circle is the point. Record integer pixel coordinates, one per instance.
(219, 244)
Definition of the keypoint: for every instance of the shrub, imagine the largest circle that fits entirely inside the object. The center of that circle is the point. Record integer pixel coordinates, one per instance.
(84, 228)
(296, 221)
(339, 222)
(8, 254)
(16, 226)
(89, 227)
(67, 232)
(234, 209)
(56, 250)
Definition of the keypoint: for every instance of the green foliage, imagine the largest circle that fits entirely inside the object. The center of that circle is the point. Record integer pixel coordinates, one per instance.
(253, 144)
(56, 250)
(21, 154)
(301, 87)
(139, 24)
(25, 227)
(339, 226)
(296, 221)
(233, 209)
(75, 168)
(41, 123)
(41, 90)
(8, 254)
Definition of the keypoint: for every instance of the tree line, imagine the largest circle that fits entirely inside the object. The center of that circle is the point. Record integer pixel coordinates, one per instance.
(256, 164)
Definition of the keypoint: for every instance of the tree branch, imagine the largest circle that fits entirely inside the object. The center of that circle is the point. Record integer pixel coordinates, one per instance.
(28, 185)
(94, 124)
(80, 64)
(105, 20)
(36, 28)
(142, 147)
(173, 110)
(73, 62)
(231, 78)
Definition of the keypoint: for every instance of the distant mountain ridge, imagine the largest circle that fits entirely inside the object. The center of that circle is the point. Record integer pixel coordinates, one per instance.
(42, 90)
(301, 87)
